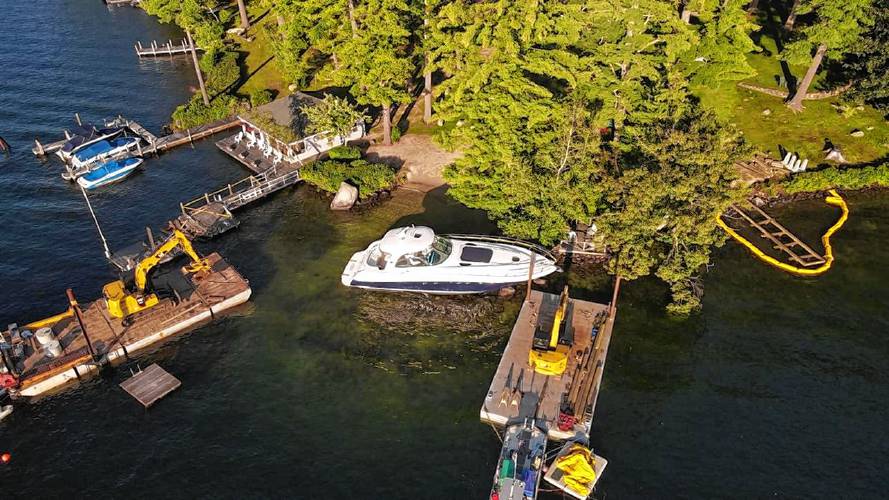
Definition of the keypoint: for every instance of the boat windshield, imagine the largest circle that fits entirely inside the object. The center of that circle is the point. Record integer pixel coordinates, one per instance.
(435, 254)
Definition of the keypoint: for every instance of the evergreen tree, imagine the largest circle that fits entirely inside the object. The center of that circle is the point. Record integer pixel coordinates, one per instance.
(837, 26)
(332, 115)
(377, 61)
(721, 53)
(868, 63)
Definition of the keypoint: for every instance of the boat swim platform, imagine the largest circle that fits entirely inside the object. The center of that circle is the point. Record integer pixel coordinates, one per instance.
(154, 144)
(109, 340)
(150, 385)
(578, 385)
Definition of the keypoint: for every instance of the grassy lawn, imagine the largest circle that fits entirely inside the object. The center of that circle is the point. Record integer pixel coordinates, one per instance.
(258, 64)
(803, 133)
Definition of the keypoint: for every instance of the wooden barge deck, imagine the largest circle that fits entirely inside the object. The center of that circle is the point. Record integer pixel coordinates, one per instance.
(578, 386)
(108, 340)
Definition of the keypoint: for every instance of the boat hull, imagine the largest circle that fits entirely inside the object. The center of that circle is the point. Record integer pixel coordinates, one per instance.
(111, 177)
(433, 287)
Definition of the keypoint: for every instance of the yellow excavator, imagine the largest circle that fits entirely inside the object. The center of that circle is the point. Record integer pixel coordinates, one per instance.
(123, 302)
(550, 348)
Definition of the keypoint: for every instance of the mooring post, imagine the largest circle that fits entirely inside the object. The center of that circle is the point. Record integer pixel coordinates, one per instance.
(72, 301)
(613, 308)
(139, 148)
(182, 207)
(40, 149)
(77, 119)
(530, 276)
(207, 198)
(150, 238)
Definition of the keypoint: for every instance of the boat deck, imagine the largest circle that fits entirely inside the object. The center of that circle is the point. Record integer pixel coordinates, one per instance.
(578, 385)
(221, 288)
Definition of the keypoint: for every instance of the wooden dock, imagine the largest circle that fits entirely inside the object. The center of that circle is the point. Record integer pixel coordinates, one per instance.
(211, 214)
(109, 340)
(566, 402)
(758, 169)
(150, 385)
(169, 48)
(779, 236)
(155, 144)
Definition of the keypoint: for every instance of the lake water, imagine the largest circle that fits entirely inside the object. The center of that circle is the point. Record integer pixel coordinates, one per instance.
(778, 388)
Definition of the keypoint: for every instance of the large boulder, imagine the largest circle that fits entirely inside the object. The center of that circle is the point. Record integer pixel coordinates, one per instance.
(346, 196)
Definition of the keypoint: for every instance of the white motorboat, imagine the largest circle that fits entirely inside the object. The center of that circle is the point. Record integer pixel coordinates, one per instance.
(415, 259)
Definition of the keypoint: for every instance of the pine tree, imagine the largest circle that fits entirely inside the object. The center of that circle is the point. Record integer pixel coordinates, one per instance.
(377, 61)
(721, 53)
(868, 62)
(837, 26)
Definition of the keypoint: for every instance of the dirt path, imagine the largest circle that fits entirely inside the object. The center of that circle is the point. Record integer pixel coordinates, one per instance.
(419, 159)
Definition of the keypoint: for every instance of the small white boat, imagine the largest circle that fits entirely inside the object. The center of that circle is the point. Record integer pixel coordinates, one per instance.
(108, 172)
(102, 150)
(518, 472)
(415, 259)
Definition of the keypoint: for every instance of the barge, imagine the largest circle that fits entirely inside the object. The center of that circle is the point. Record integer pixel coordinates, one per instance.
(568, 399)
(45, 355)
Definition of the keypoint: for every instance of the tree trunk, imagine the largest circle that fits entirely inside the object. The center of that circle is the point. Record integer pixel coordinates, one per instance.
(245, 21)
(197, 69)
(387, 124)
(427, 96)
(754, 5)
(796, 103)
(685, 15)
(791, 18)
(352, 20)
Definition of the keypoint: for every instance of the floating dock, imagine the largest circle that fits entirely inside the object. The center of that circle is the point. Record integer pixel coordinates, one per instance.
(169, 48)
(155, 144)
(150, 385)
(82, 339)
(577, 388)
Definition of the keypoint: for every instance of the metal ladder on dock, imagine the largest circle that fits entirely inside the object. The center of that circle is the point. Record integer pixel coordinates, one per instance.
(780, 237)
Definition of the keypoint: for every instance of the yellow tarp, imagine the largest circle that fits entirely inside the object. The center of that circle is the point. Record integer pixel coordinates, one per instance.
(577, 467)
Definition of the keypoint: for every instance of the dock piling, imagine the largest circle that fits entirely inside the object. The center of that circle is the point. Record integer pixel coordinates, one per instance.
(40, 150)
(77, 119)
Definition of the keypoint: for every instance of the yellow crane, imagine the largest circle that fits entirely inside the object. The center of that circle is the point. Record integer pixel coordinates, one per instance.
(123, 302)
(551, 358)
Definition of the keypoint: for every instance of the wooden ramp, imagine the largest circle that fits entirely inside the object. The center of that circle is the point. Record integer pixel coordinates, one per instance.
(780, 237)
(150, 385)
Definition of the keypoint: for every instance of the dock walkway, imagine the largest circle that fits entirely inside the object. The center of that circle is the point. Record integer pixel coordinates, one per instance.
(155, 144)
(576, 389)
(169, 48)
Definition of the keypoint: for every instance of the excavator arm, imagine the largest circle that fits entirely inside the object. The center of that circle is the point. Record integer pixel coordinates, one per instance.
(121, 303)
(177, 240)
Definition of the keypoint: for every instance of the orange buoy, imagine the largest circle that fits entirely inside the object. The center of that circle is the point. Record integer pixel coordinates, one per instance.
(5, 458)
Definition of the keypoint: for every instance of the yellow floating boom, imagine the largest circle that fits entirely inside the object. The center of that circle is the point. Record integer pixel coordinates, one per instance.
(833, 199)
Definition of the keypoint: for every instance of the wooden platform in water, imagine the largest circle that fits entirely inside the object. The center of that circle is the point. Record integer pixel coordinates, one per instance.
(212, 293)
(779, 236)
(578, 385)
(150, 385)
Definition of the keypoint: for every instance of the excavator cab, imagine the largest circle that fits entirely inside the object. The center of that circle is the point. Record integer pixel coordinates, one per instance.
(552, 340)
(124, 299)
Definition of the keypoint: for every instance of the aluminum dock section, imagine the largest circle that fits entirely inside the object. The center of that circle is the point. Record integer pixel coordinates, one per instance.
(567, 401)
